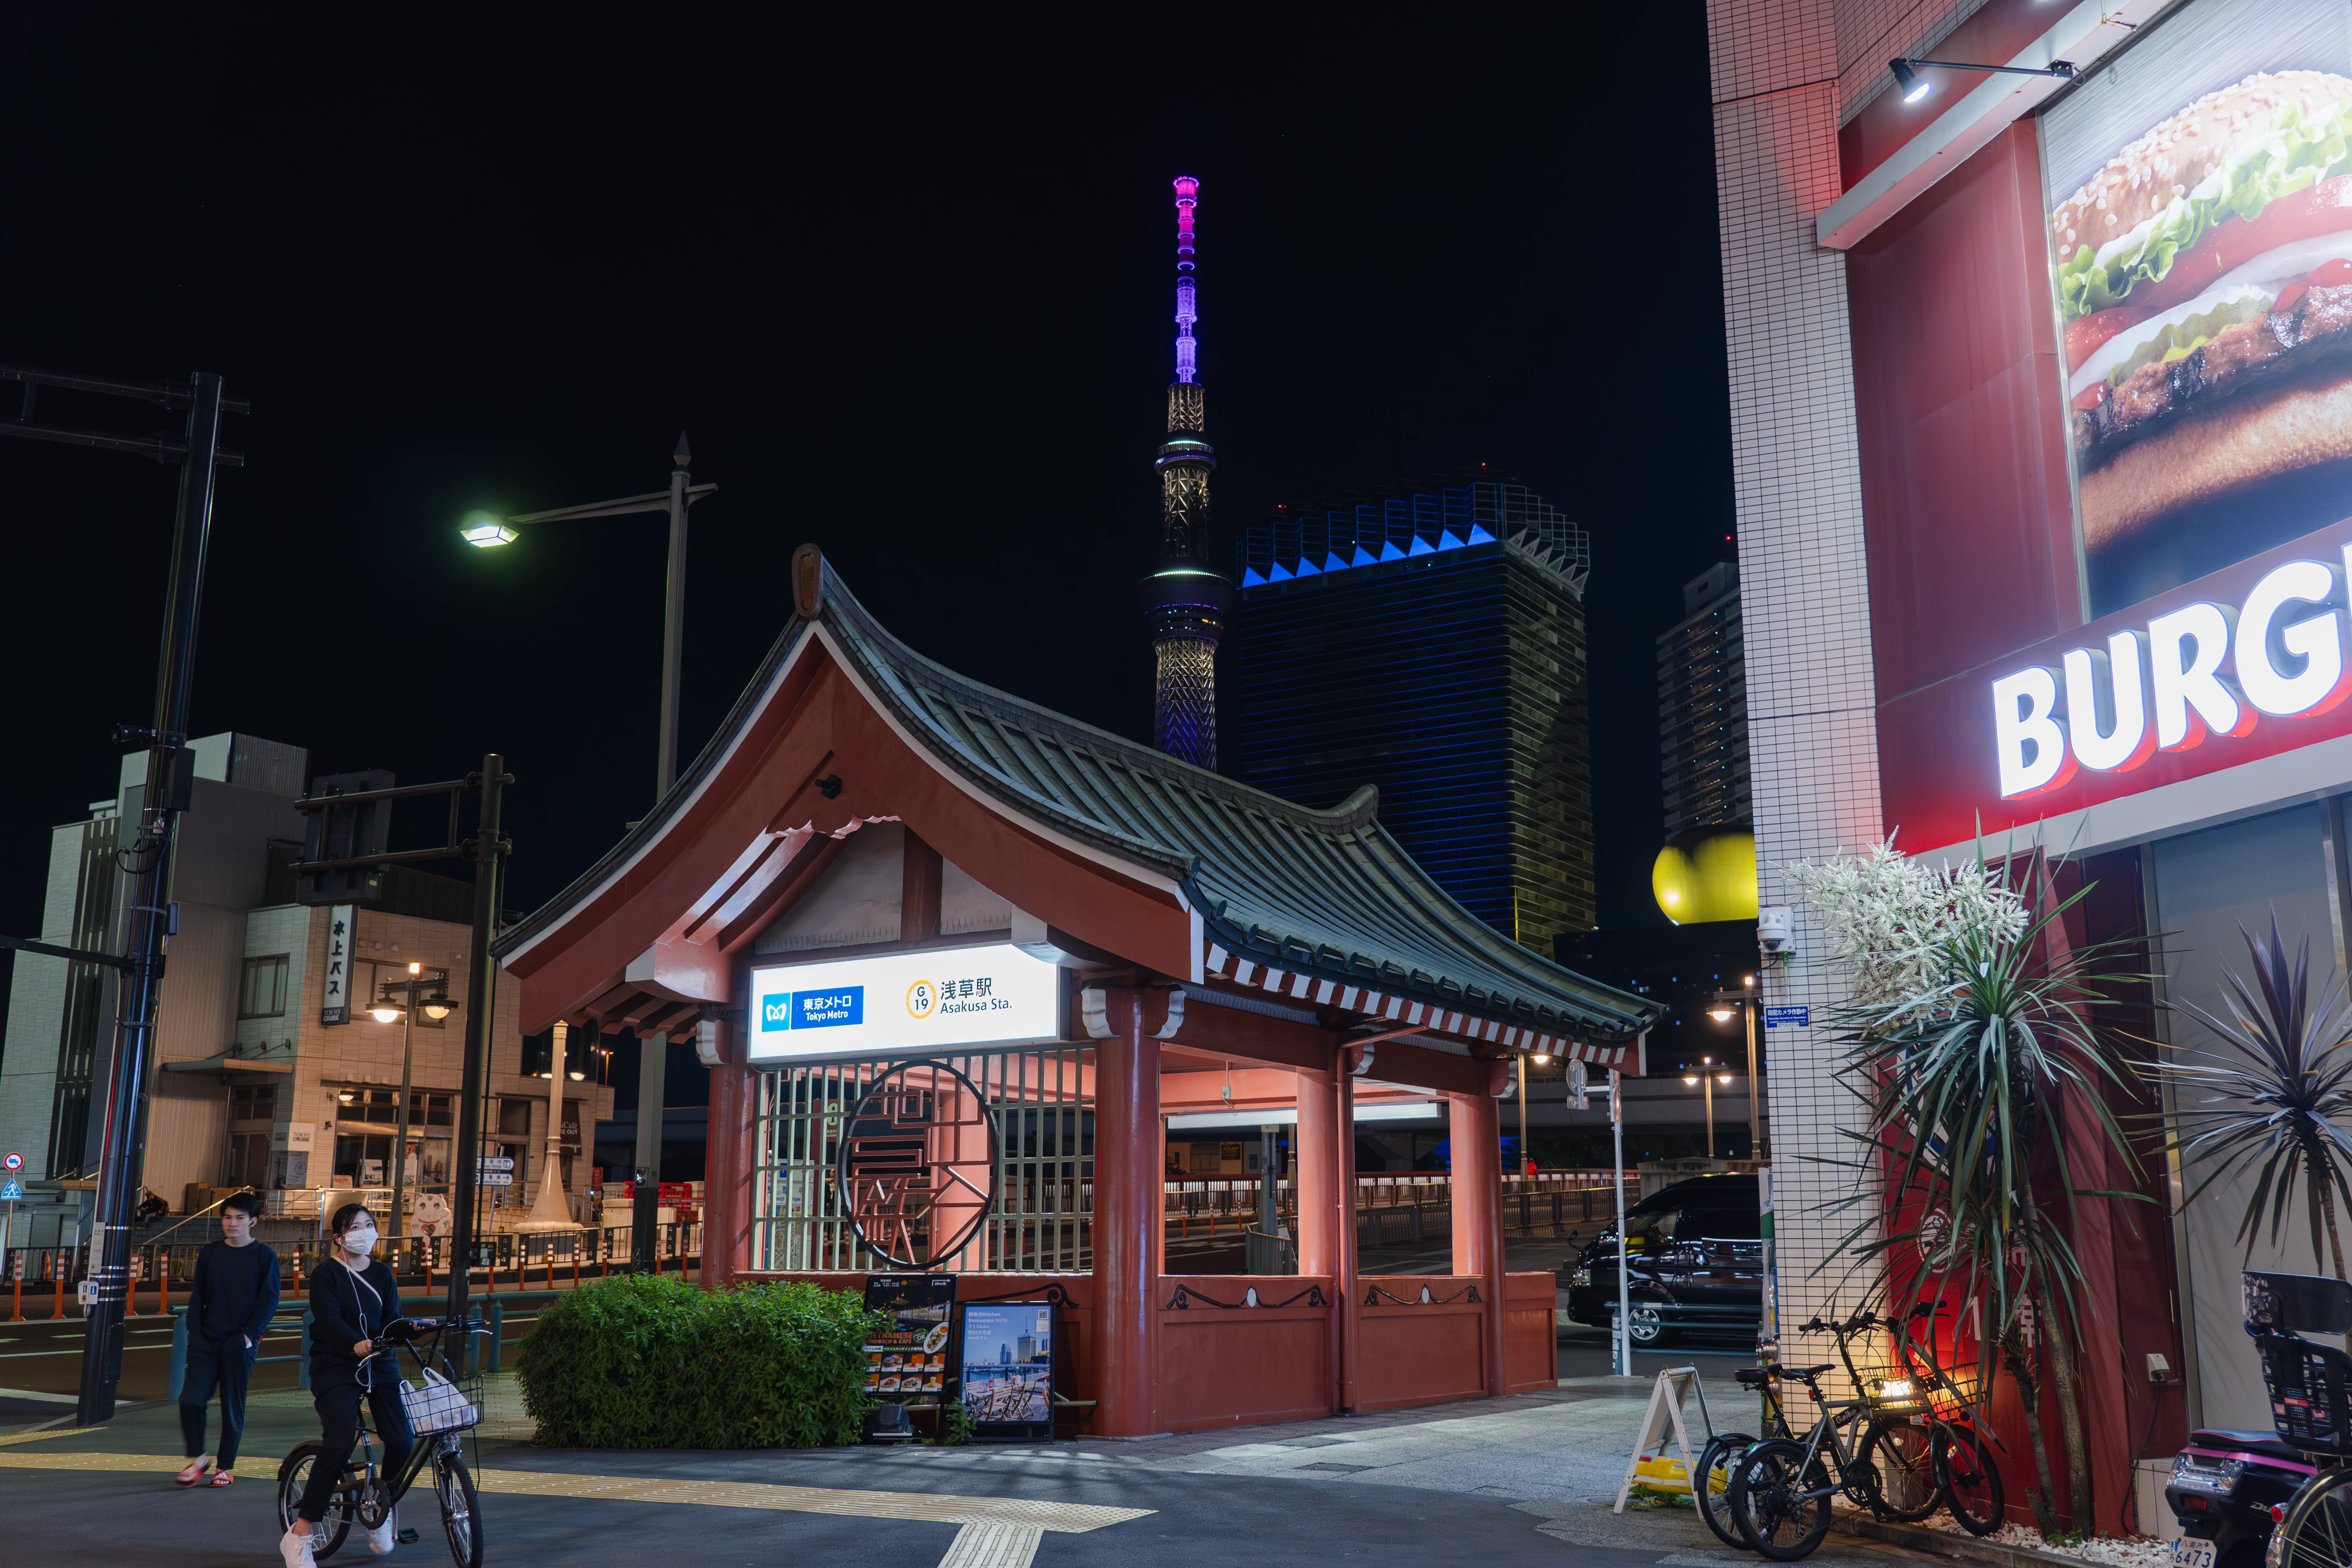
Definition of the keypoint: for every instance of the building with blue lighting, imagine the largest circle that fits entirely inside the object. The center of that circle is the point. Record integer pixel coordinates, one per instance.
(1430, 642)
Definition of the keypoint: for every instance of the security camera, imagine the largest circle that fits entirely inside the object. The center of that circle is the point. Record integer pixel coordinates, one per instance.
(1775, 929)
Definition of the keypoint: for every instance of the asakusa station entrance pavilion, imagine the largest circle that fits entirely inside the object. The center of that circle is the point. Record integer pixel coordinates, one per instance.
(876, 860)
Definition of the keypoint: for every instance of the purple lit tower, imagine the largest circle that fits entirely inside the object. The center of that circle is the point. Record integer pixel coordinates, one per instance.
(1185, 599)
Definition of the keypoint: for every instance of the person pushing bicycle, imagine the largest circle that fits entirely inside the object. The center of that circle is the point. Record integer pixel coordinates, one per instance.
(355, 1314)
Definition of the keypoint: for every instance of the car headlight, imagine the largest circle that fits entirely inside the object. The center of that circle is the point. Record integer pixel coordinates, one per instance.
(1581, 1278)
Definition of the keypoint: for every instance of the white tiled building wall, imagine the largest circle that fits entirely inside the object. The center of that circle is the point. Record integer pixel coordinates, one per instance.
(37, 1011)
(1780, 69)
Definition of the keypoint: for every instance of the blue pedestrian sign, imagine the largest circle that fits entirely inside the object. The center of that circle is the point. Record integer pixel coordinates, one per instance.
(1788, 1017)
(14, 1193)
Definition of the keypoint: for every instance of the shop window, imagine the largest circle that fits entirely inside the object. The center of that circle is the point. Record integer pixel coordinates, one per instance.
(264, 991)
(253, 1102)
(372, 1105)
(514, 1118)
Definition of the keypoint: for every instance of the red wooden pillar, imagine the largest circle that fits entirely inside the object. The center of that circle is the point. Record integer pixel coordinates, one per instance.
(1478, 1214)
(1344, 1279)
(1316, 1159)
(728, 1180)
(1127, 1210)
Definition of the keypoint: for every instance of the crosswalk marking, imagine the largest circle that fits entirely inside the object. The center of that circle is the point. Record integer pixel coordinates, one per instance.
(993, 1546)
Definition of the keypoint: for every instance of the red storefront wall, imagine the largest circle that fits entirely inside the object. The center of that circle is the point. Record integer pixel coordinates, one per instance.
(1968, 522)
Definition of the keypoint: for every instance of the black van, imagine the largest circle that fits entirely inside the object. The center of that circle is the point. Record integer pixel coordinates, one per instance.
(1695, 1264)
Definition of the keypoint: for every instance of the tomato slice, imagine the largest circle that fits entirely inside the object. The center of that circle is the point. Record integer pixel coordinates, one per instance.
(2326, 275)
(2090, 397)
(2085, 334)
(2323, 208)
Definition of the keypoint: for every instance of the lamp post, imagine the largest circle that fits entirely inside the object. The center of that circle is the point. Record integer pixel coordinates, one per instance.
(489, 530)
(1707, 1075)
(1745, 1000)
(550, 1210)
(383, 1012)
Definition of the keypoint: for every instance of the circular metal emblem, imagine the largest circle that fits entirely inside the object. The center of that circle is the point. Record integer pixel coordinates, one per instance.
(916, 1169)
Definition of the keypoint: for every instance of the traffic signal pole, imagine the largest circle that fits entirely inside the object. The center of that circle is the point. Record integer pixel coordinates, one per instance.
(148, 859)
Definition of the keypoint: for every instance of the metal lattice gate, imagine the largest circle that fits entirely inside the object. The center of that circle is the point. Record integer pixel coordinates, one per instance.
(1042, 1100)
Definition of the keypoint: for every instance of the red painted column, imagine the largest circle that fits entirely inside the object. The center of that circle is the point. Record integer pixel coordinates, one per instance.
(1316, 1157)
(1126, 1207)
(728, 1181)
(1478, 1214)
(1344, 1277)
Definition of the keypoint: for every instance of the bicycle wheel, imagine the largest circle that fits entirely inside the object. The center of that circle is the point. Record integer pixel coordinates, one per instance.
(2317, 1529)
(1711, 1488)
(292, 1477)
(1967, 1479)
(1897, 1453)
(461, 1516)
(1780, 1504)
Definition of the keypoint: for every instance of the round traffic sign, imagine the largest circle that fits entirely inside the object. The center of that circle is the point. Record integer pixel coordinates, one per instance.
(13, 1162)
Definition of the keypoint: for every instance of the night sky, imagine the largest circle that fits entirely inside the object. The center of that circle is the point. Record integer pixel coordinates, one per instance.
(907, 290)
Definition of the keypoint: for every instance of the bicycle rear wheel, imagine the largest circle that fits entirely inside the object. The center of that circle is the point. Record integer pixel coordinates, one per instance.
(1897, 1453)
(1968, 1481)
(461, 1515)
(293, 1476)
(1780, 1504)
(2317, 1529)
(1711, 1487)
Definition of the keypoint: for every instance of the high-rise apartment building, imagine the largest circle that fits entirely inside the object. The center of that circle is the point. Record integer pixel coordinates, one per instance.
(1703, 706)
(1430, 642)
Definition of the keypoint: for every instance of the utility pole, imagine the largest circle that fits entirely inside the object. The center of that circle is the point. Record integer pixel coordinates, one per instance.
(147, 857)
(673, 620)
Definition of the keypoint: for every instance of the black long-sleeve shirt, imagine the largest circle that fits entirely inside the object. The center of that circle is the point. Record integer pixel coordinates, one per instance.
(233, 1292)
(346, 1307)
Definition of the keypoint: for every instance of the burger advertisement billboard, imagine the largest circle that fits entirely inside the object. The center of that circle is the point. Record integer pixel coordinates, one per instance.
(2196, 216)
(2200, 230)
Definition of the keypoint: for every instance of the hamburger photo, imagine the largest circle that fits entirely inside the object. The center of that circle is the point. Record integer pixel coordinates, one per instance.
(2204, 279)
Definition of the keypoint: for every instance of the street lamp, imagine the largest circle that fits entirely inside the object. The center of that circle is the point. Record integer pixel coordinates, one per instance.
(1744, 1002)
(1710, 1079)
(487, 530)
(436, 1007)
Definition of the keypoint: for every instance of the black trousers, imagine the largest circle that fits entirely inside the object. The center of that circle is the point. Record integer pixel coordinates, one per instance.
(229, 1367)
(339, 1423)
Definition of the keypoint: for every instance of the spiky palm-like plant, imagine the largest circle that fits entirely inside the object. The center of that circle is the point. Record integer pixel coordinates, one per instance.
(1964, 1081)
(2276, 1107)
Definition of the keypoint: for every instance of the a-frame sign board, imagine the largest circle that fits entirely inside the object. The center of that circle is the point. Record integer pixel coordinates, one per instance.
(1674, 1386)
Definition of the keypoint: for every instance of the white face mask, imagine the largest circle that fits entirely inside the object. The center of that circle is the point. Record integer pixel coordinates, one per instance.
(359, 1240)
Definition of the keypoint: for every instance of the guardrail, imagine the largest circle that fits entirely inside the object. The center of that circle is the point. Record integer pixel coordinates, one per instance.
(565, 1257)
(481, 1355)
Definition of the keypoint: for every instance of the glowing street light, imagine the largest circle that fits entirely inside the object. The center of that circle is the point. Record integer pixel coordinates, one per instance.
(487, 530)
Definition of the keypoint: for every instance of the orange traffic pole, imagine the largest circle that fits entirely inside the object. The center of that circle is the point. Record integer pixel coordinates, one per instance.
(20, 1286)
(164, 1285)
(58, 1269)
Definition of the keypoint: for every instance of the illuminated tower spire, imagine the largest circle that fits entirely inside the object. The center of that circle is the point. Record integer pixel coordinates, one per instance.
(1185, 598)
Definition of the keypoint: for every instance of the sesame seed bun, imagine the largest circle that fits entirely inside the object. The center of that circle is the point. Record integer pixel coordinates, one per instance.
(2143, 178)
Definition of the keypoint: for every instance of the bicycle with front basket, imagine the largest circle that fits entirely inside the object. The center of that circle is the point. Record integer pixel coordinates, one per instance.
(444, 1403)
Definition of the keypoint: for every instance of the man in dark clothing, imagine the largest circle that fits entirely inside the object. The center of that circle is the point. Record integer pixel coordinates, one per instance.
(232, 1295)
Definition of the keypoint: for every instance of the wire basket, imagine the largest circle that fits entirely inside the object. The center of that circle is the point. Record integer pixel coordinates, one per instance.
(436, 1403)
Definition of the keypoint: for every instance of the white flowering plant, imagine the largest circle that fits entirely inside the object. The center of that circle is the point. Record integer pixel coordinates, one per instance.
(1892, 919)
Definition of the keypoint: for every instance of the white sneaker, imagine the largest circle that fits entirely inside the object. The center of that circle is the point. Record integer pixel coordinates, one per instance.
(381, 1538)
(295, 1547)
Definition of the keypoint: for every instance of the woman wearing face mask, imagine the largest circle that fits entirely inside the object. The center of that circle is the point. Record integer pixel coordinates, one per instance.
(354, 1305)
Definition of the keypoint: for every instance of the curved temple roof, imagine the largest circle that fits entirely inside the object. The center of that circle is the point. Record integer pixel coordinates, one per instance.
(1321, 905)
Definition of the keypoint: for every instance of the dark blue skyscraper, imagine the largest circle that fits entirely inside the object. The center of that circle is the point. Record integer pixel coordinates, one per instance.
(1431, 642)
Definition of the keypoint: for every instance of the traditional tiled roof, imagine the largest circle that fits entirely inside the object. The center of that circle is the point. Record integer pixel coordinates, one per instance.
(1320, 906)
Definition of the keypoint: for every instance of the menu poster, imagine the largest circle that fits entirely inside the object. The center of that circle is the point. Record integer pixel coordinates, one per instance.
(1006, 1363)
(907, 1363)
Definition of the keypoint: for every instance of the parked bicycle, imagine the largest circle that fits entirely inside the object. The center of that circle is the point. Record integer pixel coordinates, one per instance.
(443, 1403)
(2310, 1387)
(1781, 1491)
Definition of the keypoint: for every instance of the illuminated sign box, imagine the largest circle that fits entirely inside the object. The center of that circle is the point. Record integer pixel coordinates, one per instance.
(904, 1004)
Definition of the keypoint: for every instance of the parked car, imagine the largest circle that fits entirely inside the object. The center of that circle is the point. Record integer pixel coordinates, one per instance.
(1695, 1264)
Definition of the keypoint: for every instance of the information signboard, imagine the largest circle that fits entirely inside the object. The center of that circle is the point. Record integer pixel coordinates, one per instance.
(904, 1004)
(907, 1363)
(1005, 1362)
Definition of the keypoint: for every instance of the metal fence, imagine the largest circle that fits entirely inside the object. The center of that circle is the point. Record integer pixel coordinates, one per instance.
(1042, 1101)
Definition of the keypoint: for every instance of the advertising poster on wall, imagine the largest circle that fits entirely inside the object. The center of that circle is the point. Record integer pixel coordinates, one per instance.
(1007, 1362)
(2199, 206)
(907, 1363)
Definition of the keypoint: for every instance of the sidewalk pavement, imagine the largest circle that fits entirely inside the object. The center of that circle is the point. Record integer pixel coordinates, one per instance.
(1524, 1479)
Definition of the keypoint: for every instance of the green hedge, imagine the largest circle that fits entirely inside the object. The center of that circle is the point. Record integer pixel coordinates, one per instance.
(649, 1362)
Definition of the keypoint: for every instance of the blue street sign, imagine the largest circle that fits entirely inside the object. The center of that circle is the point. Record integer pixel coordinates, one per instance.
(14, 1193)
(1790, 1017)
